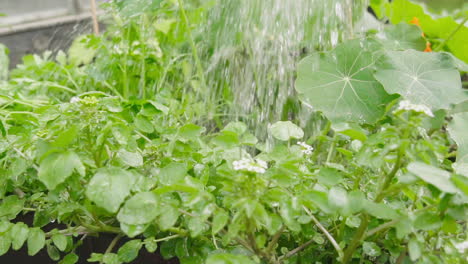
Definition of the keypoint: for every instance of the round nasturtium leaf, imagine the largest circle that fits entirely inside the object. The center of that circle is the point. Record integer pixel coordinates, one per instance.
(286, 130)
(340, 83)
(422, 78)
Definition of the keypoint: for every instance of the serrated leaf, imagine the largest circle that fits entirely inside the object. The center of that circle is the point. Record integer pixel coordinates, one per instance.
(140, 209)
(57, 167)
(340, 83)
(435, 176)
(36, 241)
(286, 130)
(109, 187)
(422, 78)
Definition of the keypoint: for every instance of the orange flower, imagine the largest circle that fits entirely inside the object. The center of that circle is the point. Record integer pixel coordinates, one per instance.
(415, 21)
(428, 47)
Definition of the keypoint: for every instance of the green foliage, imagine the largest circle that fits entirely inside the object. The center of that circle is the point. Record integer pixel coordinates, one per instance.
(118, 142)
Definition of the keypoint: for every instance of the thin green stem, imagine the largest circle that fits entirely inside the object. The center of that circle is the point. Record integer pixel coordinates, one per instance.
(361, 232)
(200, 71)
(326, 233)
(112, 245)
(454, 32)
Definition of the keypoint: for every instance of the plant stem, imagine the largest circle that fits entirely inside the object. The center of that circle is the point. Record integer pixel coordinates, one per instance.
(360, 233)
(381, 227)
(112, 245)
(454, 32)
(327, 234)
(200, 71)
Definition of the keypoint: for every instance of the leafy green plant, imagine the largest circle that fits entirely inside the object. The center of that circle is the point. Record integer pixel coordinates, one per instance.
(119, 143)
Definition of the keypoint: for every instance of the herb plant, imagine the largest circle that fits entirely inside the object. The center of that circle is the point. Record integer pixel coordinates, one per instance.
(112, 137)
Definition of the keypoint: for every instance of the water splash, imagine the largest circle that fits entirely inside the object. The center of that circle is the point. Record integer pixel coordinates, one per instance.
(257, 44)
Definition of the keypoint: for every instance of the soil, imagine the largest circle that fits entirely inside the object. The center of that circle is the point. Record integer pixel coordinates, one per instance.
(90, 245)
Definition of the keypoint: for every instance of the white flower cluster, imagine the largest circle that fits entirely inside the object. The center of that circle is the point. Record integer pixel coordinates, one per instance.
(306, 149)
(408, 106)
(257, 165)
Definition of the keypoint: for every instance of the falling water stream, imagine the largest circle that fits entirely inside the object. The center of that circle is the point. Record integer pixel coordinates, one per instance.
(257, 44)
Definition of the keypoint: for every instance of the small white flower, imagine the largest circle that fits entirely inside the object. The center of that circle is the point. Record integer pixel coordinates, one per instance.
(305, 148)
(75, 100)
(462, 247)
(257, 165)
(408, 106)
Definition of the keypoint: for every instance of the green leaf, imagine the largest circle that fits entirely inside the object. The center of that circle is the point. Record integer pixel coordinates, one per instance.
(57, 167)
(71, 258)
(140, 209)
(133, 230)
(11, 206)
(191, 132)
(227, 139)
(286, 130)
(109, 187)
(169, 218)
(380, 210)
(225, 258)
(427, 221)
(66, 137)
(237, 127)
(403, 37)
(422, 78)
(435, 176)
(172, 173)
(371, 249)
(129, 251)
(457, 129)
(338, 198)
(20, 233)
(53, 252)
(36, 241)
(111, 258)
(60, 241)
(329, 176)
(341, 85)
(151, 245)
(164, 25)
(143, 124)
(5, 243)
(220, 220)
(132, 159)
(81, 52)
(414, 249)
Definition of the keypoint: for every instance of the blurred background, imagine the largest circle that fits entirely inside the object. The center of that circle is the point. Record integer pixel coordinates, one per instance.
(34, 26)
